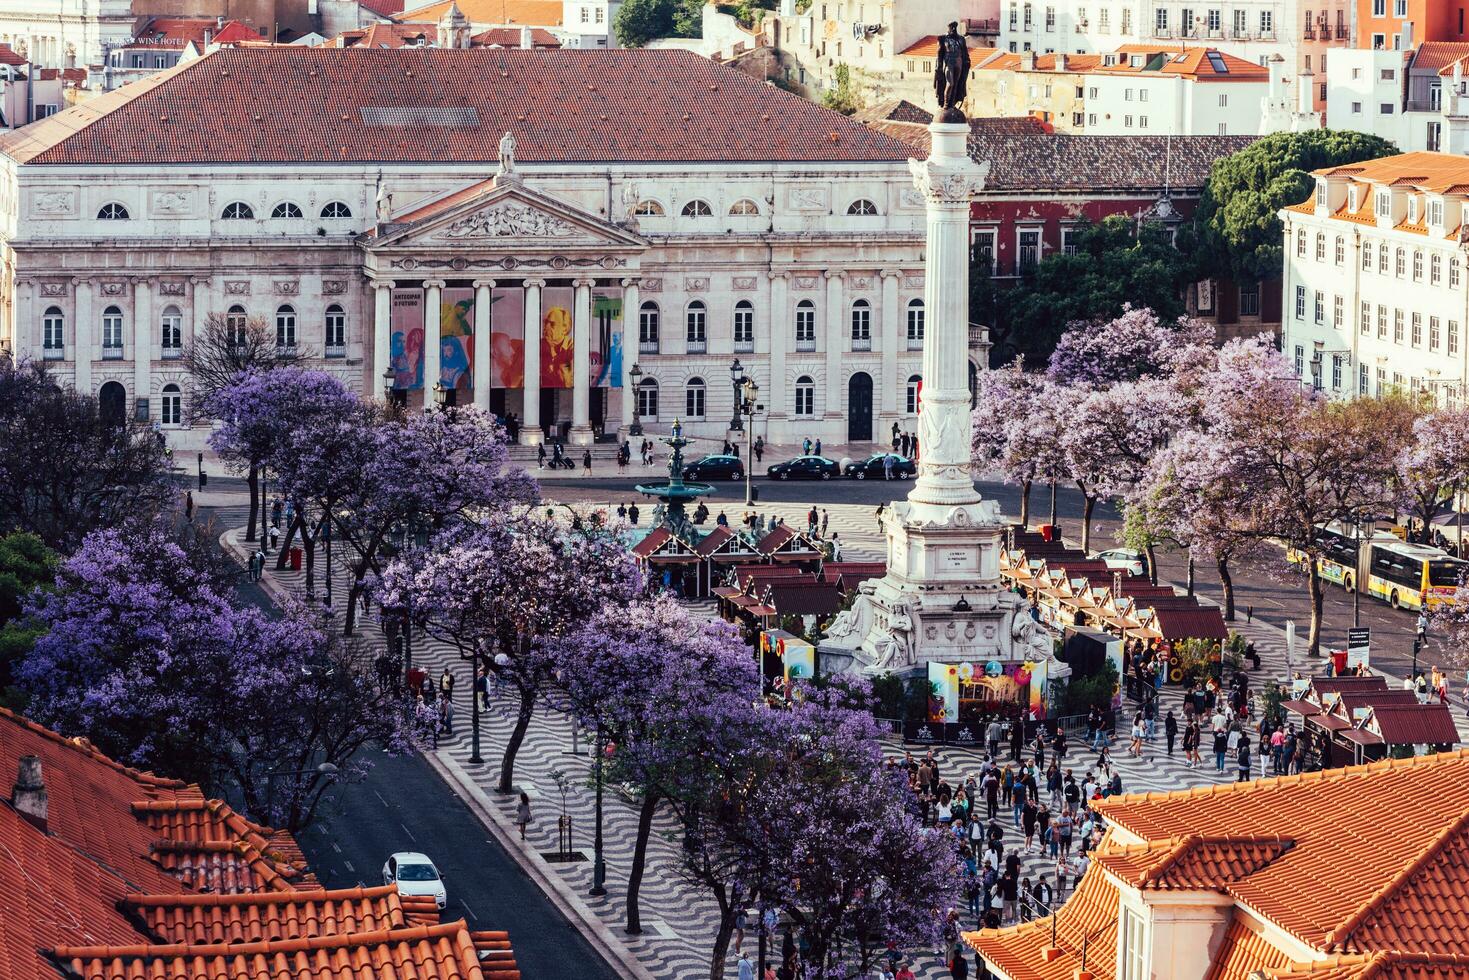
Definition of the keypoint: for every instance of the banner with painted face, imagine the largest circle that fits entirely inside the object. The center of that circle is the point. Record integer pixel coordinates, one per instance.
(405, 339)
(607, 324)
(456, 342)
(558, 339)
(507, 338)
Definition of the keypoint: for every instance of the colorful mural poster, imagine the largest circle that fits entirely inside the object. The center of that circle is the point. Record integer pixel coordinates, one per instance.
(507, 338)
(606, 339)
(456, 342)
(558, 340)
(405, 339)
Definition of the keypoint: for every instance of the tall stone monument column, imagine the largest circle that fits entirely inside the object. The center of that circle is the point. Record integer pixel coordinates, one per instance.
(948, 180)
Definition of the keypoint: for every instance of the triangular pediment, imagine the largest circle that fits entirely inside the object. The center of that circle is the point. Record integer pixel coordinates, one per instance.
(500, 213)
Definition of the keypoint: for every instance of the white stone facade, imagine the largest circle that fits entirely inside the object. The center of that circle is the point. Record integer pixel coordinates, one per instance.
(96, 270)
(65, 33)
(1382, 292)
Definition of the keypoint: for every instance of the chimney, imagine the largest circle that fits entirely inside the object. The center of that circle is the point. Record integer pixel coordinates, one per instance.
(1027, 60)
(1306, 94)
(1061, 61)
(28, 795)
(526, 43)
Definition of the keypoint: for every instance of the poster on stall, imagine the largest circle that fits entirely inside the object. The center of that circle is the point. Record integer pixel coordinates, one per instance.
(799, 658)
(507, 338)
(606, 339)
(456, 342)
(558, 339)
(405, 339)
(1038, 672)
(945, 678)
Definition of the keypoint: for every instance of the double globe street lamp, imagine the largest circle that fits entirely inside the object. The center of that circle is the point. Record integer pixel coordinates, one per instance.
(746, 393)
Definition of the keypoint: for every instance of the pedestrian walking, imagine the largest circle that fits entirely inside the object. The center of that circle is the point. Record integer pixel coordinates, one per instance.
(541, 456)
(1244, 760)
(522, 814)
(632, 515)
(1221, 746)
(189, 506)
(816, 450)
(806, 446)
(747, 969)
(759, 448)
(825, 518)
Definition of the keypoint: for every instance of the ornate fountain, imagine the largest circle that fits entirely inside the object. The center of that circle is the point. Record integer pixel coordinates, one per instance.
(676, 493)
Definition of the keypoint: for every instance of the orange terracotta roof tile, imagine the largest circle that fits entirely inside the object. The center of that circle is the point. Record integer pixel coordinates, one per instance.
(1192, 861)
(1378, 966)
(1433, 172)
(536, 13)
(1244, 951)
(509, 37)
(1367, 862)
(441, 952)
(432, 105)
(1435, 55)
(1194, 63)
(1088, 918)
(228, 867)
(262, 916)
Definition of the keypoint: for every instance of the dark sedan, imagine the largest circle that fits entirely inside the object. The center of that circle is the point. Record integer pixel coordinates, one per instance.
(873, 468)
(714, 467)
(804, 468)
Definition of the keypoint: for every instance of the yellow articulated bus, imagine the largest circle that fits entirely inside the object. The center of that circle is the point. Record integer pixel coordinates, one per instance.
(1378, 563)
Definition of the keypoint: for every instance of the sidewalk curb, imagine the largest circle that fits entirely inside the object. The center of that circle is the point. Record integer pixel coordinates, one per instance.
(616, 955)
(567, 902)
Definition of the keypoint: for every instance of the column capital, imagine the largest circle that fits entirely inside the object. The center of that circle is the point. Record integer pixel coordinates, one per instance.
(483, 283)
(837, 274)
(534, 283)
(891, 273)
(780, 275)
(631, 282)
(584, 283)
(140, 280)
(80, 280)
(434, 283)
(383, 283)
(198, 280)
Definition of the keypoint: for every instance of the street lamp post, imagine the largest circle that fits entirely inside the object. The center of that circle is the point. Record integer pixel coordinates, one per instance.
(474, 660)
(443, 397)
(322, 769)
(634, 375)
(599, 862)
(747, 391)
(736, 380)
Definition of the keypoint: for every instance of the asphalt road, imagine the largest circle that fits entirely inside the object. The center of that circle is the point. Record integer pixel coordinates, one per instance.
(1275, 593)
(403, 805)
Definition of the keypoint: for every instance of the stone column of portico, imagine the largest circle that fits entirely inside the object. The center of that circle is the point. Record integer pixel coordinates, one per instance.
(780, 316)
(834, 344)
(581, 364)
(630, 302)
(948, 180)
(890, 341)
(381, 330)
(433, 310)
(23, 331)
(142, 347)
(482, 381)
(531, 433)
(84, 333)
(198, 307)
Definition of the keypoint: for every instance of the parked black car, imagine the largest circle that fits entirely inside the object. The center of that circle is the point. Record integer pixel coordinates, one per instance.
(804, 468)
(715, 467)
(872, 468)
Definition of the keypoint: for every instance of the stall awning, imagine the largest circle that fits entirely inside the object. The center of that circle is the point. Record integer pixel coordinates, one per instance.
(1361, 737)
(1301, 707)
(725, 591)
(761, 610)
(741, 600)
(1329, 722)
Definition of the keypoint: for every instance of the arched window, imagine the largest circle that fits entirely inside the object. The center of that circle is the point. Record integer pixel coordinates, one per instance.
(862, 206)
(285, 328)
(744, 206)
(915, 324)
(1320, 247)
(805, 325)
(648, 209)
(336, 209)
(693, 398)
(861, 325)
(805, 396)
(648, 329)
(236, 322)
(112, 332)
(112, 212)
(1417, 266)
(172, 332)
(648, 399)
(173, 405)
(237, 211)
(1340, 257)
(697, 209)
(336, 331)
(695, 321)
(1400, 263)
(1435, 270)
(53, 333)
(1382, 257)
(913, 382)
(287, 209)
(744, 326)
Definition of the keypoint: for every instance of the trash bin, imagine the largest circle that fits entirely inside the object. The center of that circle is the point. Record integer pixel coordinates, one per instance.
(1047, 532)
(295, 559)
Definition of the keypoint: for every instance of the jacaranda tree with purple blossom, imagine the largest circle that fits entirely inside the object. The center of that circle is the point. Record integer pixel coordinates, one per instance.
(1135, 345)
(654, 676)
(144, 656)
(502, 591)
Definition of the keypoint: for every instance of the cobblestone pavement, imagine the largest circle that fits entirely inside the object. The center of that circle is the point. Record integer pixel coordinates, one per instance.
(677, 916)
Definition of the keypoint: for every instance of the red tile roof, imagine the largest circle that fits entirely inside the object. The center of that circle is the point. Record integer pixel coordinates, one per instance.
(180, 31)
(294, 104)
(250, 918)
(537, 13)
(1436, 55)
(9, 57)
(509, 37)
(1413, 724)
(382, 36)
(383, 8)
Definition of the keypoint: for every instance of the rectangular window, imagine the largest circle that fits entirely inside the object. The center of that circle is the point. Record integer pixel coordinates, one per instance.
(1341, 251)
(1249, 299)
(1379, 8)
(1104, 18)
(1366, 326)
(1300, 243)
(1160, 20)
(1134, 945)
(1417, 266)
(1381, 380)
(1366, 257)
(1142, 122)
(1142, 95)
(1187, 21)
(1453, 337)
(1336, 372)
(1300, 302)
(1397, 326)
(1433, 333)
(1320, 247)
(1338, 312)
(1435, 269)
(1453, 273)
(1213, 21)
(1300, 359)
(982, 250)
(1267, 22)
(1417, 334)
(1383, 204)
(1381, 322)
(694, 402)
(1362, 380)
(1050, 18)
(1239, 23)
(1029, 249)
(1400, 8)
(1320, 308)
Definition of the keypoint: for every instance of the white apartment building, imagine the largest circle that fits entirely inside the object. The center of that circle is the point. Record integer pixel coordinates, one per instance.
(1411, 97)
(65, 33)
(1374, 293)
(1301, 31)
(1174, 92)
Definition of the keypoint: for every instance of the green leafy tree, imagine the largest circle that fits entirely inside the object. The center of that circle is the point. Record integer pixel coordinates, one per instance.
(843, 98)
(1237, 222)
(1115, 263)
(640, 21)
(26, 564)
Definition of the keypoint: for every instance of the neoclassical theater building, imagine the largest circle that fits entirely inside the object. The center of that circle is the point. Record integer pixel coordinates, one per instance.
(651, 218)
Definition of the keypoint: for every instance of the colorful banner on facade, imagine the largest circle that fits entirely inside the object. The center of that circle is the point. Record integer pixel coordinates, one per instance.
(405, 339)
(456, 342)
(558, 340)
(507, 338)
(607, 325)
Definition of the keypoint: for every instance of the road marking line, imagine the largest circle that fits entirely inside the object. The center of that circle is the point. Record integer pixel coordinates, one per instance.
(349, 866)
(469, 910)
(408, 832)
(336, 847)
(380, 797)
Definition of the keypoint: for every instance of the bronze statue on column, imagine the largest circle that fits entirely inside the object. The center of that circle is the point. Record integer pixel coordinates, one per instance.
(951, 75)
